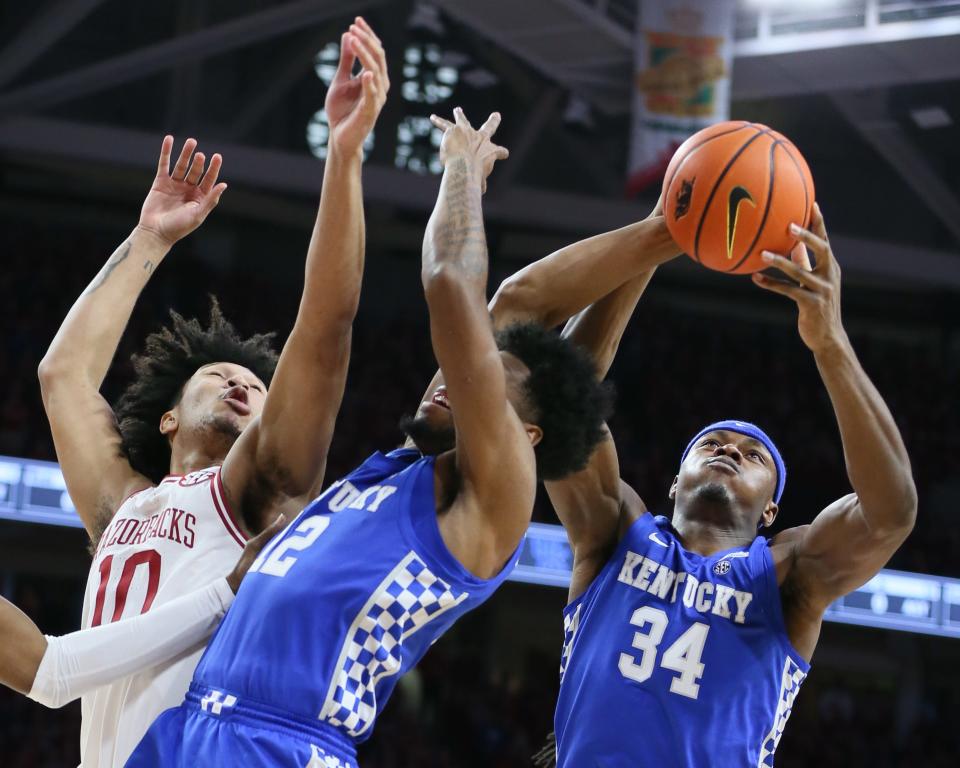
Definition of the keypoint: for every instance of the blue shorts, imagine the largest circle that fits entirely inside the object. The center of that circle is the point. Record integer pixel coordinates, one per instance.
(213, 728)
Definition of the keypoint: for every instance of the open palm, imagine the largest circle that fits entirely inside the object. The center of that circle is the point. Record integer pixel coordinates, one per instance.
(179, 201)
(354, 102)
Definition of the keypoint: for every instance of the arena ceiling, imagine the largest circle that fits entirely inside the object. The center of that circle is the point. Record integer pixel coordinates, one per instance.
(868, 89)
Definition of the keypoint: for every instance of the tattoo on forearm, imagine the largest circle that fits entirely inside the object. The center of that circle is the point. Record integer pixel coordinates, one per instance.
(459, 235)
(118, 256)
(148, 266)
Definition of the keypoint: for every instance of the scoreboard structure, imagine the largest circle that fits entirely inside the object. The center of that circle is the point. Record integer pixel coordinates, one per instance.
(35, 492)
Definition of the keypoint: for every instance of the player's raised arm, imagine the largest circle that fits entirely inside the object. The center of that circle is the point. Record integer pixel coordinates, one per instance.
(609, 272)
(57, 670)
(84, 429)
(854, 537)
(558, 286)
(494, 455)
(281, 459)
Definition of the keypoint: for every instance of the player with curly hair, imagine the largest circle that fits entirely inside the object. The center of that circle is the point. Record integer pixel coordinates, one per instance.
(200, 453)
(376, 569)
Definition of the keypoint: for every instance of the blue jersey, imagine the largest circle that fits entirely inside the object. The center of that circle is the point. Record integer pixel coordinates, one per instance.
(672, 659)
(335, 609)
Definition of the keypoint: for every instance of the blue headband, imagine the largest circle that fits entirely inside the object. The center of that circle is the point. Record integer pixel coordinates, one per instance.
(750, 430)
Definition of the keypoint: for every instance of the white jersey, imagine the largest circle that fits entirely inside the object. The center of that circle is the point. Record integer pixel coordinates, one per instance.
(163, 542)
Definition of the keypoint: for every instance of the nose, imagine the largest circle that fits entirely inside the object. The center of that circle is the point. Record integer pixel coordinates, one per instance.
(235, 381)
(729, 450)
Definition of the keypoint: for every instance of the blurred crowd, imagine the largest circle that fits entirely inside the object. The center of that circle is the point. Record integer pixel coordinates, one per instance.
(676, 371)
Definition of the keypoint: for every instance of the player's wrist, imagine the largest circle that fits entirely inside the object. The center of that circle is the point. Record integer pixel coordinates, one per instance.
(833, 349)
(150, 241)
(344, 158)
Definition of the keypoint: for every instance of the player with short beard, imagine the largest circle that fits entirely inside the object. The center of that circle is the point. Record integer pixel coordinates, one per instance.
(697, 627)
(375, 570)
(204, 454)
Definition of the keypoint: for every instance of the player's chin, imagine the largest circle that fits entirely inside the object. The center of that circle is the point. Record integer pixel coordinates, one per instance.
(431, 432)
(435, 415)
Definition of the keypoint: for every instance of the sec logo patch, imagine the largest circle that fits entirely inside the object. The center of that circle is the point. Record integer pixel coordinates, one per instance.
(722, 568)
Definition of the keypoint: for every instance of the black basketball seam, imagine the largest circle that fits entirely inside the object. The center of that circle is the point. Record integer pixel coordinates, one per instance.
(713, 192)
(695, 147)
(806, 196)
(766, 208)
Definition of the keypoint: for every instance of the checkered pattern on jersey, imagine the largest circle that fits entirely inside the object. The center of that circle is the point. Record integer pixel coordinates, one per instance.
(793, 676)
(320, 759)
(404, 602)
(571, 622)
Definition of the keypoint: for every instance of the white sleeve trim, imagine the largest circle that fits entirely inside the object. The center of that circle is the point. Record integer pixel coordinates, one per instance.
(75, 664)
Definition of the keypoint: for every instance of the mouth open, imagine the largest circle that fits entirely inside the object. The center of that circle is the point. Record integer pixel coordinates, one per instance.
(237, 398)
(440, 398)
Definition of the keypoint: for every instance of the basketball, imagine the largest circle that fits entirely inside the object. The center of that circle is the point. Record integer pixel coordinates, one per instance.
(731, 191)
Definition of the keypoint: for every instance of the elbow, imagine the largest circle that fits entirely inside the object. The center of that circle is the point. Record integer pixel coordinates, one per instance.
(49, 372)
(516, 301)
(906, 502)
(441, 281)
(895, 518)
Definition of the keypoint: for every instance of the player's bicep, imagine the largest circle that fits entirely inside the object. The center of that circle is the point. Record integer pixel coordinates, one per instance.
(90, 451)
(281, 455)
(839, 551)
(588, 502)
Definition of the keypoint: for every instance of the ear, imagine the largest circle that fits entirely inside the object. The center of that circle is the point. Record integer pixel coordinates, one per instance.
(673, 488)
(769, 514)
(169, 424)
(534, 433)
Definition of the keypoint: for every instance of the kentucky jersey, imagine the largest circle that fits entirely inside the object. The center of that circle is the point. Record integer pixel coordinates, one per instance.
(335, 609)
(676, 660)
(163, 542)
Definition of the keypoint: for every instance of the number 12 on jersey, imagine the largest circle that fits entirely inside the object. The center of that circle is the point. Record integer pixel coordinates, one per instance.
(682, 656)
(274, 560)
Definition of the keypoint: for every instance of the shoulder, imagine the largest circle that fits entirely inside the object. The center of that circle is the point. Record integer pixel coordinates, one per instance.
(783, 549)
(632, 508)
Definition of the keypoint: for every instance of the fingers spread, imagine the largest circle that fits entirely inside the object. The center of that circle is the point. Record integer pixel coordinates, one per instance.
(440, 123)
(816, 223)
(795, 292)
(812, 241)
(501, 153)
(180, 169)
(196, 169)
(800, 256)
(461, 118)
(163, 165)
(213, 170)
(213, 198)
(792, 270)
(490, 126)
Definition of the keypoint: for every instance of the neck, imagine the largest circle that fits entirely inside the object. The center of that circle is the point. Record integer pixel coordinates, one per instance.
(185, 459)
(707, 537)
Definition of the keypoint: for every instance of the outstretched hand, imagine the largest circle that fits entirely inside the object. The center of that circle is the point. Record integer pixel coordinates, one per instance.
(354, 102)
(816, 289)
(460, 139)
(179, 201)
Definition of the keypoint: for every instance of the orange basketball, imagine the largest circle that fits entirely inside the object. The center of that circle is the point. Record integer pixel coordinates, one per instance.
(732, 190)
